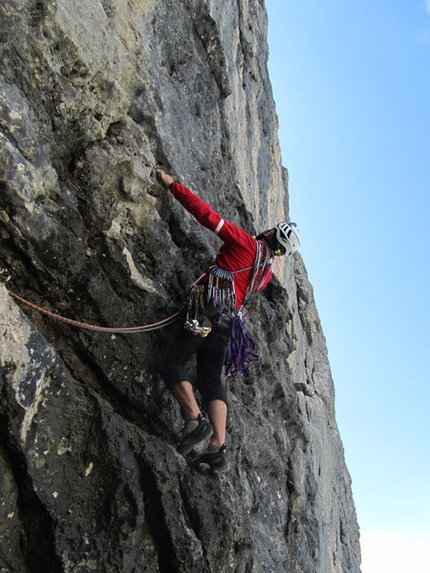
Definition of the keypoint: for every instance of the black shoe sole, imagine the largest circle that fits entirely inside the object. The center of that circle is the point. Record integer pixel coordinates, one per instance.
(194, 438)
(216, 468)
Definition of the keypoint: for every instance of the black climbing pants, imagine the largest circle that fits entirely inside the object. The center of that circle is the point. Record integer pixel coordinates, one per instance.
(210, 354)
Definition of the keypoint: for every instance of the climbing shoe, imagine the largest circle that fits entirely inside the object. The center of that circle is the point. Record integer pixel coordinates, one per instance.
(215, 457)
(195, 432)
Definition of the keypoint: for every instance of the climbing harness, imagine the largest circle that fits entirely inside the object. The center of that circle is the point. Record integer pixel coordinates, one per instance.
(212, 306)
(119, 330)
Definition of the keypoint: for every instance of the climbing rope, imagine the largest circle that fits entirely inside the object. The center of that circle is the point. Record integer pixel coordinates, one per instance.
(123, 330)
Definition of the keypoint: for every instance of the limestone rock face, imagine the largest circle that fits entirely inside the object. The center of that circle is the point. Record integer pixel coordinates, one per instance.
(94, 94)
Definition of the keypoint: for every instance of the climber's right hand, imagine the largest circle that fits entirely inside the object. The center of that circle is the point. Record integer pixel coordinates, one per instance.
(165, 179)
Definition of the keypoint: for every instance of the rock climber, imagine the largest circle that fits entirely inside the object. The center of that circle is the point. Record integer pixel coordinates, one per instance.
(213, 328)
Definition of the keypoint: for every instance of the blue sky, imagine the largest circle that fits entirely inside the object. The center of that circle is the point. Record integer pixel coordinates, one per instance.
(351, 84)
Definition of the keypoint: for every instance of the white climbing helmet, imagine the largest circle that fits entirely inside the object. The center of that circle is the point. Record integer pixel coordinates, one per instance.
(287, 235)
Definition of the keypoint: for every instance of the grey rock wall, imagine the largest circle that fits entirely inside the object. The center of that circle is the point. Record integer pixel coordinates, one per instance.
(93, 96)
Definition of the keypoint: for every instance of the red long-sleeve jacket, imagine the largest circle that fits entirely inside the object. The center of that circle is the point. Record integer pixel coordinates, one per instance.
(239, 248)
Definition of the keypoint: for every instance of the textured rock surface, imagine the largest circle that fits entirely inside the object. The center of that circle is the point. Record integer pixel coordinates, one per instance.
(93, 95)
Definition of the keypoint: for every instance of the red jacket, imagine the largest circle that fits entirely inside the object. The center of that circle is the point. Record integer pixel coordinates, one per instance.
(239, 248)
